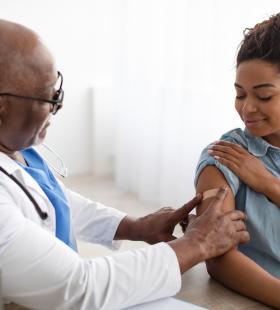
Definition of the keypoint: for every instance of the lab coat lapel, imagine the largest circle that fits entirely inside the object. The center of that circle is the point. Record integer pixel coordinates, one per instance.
(32, 186)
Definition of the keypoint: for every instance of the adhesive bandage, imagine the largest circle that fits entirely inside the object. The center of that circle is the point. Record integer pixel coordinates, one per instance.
(210, 193)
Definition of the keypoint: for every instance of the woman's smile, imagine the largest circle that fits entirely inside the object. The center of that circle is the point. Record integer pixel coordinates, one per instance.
(251, 122)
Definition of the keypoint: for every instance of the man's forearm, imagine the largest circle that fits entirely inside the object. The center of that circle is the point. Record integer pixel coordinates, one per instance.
(243, 275)
(53, 275)
(187, 251)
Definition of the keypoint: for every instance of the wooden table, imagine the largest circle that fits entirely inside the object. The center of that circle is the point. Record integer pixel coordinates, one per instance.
(198, 288)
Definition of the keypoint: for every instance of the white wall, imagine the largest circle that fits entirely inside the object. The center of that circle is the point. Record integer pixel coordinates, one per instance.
(175, 89)
(79, 35)
(103, 46)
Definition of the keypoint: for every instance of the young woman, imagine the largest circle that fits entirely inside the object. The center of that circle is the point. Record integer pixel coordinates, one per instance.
(248, 162)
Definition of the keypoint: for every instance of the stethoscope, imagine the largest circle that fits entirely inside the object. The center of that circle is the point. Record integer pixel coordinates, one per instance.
(62, 171)
(43, 215)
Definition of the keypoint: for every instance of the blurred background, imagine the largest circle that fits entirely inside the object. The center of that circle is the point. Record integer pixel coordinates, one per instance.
(148, 84)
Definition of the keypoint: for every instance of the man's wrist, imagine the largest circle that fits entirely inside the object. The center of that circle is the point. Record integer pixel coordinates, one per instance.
(129, 229)
(188, 252)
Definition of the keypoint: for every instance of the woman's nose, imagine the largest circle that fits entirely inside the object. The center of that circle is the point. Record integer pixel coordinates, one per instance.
(249, 105)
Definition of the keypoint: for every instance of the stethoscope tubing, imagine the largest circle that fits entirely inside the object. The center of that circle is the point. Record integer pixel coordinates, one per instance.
(43, 215)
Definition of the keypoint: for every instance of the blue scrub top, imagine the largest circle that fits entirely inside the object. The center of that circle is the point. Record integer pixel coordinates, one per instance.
(263, 215)
(40, 171)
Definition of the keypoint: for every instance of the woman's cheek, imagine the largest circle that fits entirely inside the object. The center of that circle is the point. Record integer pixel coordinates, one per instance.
(238, 107)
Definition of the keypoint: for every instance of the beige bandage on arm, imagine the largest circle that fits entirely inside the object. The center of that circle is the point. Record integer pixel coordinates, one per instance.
(210, 193)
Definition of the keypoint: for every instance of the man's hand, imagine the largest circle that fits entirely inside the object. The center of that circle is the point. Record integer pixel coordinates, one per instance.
(211, 234)
(215, 231)
(206, 236)
(158, 226)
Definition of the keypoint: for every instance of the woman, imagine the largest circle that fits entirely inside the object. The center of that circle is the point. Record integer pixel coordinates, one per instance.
(248, 161)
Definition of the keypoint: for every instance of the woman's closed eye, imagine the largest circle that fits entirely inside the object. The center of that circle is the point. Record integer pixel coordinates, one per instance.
(262, 98)
(267, 98)
(240, 96)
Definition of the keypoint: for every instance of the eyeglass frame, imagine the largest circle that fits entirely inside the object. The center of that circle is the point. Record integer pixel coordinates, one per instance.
(56, 100)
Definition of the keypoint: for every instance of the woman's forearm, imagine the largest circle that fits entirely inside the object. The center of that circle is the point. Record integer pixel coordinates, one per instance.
(240, 273)
(234, 269)
(271, 189)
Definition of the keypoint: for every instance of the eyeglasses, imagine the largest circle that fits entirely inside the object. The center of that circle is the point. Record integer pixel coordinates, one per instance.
(56, 100)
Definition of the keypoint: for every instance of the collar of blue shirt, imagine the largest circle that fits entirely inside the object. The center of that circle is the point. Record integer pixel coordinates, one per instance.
(258, 146)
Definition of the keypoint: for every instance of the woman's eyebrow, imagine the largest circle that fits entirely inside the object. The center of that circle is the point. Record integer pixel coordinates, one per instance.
(256, 86)
(264, 85)
(237, 85)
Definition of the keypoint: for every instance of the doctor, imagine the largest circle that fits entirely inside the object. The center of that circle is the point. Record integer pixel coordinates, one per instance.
(41, 219)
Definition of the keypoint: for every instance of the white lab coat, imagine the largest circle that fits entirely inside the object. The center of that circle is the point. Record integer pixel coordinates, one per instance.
(41, 272)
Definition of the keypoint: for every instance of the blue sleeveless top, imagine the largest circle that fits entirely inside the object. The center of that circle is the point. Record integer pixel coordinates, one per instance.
(40, 171)
(263, 215)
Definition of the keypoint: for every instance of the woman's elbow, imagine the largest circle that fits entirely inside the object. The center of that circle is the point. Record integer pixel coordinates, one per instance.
(212, 266)
(218, 268)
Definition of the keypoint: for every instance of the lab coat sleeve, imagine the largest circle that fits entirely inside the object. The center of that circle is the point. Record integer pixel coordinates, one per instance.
(92, 221)
(41, 272)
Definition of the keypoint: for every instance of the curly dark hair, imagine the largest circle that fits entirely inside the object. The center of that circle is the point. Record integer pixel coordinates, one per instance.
(261, 42)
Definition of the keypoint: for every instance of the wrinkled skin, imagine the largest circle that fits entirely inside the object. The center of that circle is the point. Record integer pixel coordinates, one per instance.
(215, 231)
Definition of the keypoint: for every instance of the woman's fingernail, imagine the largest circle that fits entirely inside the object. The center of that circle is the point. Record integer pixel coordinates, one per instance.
(210, 151)
(217, 157)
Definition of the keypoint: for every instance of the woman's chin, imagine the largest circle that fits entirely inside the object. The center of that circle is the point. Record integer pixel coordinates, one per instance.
(257, 132)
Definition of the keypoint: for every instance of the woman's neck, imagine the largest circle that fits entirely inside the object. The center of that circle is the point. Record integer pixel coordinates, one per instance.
(273, 139)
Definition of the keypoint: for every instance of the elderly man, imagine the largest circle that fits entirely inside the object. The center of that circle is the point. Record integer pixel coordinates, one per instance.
(39, 216)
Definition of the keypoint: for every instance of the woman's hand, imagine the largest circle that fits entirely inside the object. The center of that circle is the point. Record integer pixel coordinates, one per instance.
(249, 168)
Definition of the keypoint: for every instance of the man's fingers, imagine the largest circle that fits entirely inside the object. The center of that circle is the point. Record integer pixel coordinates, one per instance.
(243, 236)
(167, 209)
(171, 238)
(181, 213)
(191, 218)
(237, 215)
(184, 224)
(239, 225)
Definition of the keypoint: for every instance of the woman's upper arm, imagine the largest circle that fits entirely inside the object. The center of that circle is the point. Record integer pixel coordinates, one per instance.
(211, 177)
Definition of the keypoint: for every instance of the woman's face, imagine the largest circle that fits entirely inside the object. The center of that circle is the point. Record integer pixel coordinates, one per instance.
(258, 99)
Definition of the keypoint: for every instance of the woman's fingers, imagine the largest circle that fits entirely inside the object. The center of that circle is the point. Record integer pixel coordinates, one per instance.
(236, 147)
(227, 156)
